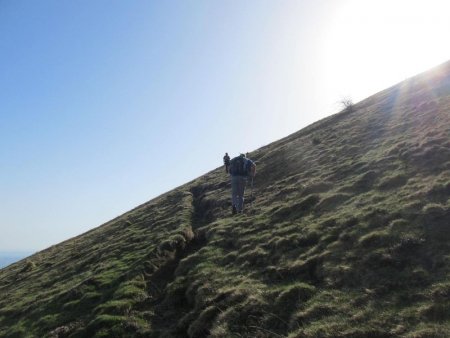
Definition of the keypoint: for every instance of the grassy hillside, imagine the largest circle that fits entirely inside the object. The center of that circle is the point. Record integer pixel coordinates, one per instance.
(7, 258)
(348, 236)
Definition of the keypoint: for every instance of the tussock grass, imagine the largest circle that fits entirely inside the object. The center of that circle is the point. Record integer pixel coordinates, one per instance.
(347, 236)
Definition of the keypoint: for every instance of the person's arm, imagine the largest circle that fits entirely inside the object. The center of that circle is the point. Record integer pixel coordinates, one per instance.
(252, 171)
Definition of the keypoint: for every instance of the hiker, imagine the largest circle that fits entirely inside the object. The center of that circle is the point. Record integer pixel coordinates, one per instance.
(226, 162)
(240, 169)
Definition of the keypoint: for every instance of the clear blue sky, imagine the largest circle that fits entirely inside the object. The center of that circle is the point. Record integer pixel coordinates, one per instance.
(107, 104)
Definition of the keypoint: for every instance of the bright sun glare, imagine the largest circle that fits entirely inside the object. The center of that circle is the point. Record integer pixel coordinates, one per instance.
(373, 44)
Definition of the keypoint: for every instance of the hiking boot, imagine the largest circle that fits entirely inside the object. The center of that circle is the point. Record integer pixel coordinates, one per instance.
(234, 210)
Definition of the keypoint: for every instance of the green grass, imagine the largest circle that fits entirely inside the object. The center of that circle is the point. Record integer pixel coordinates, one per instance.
(347, 237)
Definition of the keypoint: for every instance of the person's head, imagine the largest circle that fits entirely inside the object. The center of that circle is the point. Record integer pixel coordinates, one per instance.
(226, 154)
(241, 155)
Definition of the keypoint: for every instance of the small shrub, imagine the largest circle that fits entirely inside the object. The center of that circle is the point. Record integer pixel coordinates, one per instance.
(347, 104)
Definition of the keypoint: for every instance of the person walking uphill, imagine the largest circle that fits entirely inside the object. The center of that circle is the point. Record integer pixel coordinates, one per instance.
(226, 162)
(240, 169)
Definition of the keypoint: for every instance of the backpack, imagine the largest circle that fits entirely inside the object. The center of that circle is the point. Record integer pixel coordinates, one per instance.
(238, 167)
(241, 166)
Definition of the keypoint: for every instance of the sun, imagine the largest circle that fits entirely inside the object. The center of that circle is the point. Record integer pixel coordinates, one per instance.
(370, 45)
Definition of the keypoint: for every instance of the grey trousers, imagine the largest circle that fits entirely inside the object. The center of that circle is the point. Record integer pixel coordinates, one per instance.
(237, 191)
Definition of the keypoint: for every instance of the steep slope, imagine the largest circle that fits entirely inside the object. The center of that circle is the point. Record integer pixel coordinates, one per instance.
(347, 236)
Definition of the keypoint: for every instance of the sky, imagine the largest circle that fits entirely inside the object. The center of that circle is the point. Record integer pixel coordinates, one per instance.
(106, 104)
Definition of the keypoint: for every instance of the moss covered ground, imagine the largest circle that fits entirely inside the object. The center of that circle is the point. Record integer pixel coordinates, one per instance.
(346, 234)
